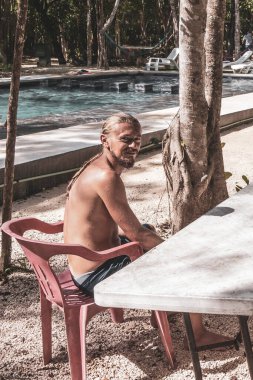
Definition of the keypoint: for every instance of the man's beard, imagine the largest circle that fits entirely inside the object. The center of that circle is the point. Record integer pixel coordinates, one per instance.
(126, 163)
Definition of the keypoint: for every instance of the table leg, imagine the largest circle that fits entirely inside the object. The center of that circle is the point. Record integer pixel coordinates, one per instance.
(192, 346)
(247, 343)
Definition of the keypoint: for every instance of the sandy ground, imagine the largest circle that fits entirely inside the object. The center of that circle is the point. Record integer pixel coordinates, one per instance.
(131, 350)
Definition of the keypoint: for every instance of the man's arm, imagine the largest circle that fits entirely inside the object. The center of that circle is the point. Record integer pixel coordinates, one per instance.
(112, 191)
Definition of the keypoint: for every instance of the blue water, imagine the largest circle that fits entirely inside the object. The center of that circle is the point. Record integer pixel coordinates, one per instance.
(61, 99)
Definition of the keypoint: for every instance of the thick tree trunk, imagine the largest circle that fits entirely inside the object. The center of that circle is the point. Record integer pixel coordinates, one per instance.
(217, 190)
(237, 30)
(11, 130)
(192, 150)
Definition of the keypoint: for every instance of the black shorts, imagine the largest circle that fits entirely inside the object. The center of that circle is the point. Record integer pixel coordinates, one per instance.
(105, 270)
(101, 273)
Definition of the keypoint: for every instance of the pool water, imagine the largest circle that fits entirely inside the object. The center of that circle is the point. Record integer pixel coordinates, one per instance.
(64, 99)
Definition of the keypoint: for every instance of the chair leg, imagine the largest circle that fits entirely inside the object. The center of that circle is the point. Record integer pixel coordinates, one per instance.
(74, 338)
(117, 315)
(92, 310)
(83, 321)
(46, 327)
(153, 320)
(164, 329)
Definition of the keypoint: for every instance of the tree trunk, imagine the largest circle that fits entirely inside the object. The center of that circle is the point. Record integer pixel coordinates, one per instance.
(64, 43)
(174, 10)
(3, 34)
(163, 15)
(7, 29)
(51, 26)
(89, 33)
(192, 154)
(12, 129)
(143, 24)
(231, 32)
(213, 89)
(237, 30)
(117, 37)
(102, 53)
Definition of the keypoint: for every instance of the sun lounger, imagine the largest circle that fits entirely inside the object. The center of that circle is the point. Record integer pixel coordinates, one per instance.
(245, 57)
(242, 68)
(157, 63)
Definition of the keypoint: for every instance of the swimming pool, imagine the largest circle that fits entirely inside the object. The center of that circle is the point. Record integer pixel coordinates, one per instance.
(71, 96)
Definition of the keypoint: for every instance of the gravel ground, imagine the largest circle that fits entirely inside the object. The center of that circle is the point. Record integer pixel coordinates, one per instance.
(131, 350)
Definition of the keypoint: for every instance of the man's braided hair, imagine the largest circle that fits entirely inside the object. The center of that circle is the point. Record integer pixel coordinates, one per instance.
(118, 118)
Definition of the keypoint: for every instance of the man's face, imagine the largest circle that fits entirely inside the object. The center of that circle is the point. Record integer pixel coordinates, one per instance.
(124, 143)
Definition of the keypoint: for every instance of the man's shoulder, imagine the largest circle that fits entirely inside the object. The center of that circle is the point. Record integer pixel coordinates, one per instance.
(98, 173)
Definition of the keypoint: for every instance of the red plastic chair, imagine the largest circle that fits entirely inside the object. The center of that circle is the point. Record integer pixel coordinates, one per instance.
(60, 290)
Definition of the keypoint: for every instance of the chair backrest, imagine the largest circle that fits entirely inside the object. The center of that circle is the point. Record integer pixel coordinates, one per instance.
(173, 54)
(244, 57)
(39, 252)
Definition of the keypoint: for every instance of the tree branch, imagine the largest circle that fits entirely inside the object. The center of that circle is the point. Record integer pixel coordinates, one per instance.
(110, 19)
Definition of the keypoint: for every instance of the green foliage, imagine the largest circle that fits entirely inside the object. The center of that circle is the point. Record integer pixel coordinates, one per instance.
(6, 67)
(246, 11)
(142, 23)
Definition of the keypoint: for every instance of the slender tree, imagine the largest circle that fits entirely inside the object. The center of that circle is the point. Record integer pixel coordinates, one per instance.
(117, 36)
(143, 23)
(174, 11)
(89, 33)
(12, 129)
(102, 28)
(192, 153)
(237, 30)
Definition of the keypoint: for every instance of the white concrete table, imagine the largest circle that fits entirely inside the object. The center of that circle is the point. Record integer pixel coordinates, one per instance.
(205, 268)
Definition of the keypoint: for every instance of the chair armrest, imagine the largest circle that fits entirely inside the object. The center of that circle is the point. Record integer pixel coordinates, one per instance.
(17, 227)
(133, 250)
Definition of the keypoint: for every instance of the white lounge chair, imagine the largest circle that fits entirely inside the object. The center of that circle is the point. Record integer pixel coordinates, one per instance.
(246, 56)
(161, 63)
(242, 68)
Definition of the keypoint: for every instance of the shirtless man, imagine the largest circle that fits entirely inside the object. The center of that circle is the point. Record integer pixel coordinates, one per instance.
(97, 211)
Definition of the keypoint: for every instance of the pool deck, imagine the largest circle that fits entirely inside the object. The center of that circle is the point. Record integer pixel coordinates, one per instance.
(30, 80)
(54, 155)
